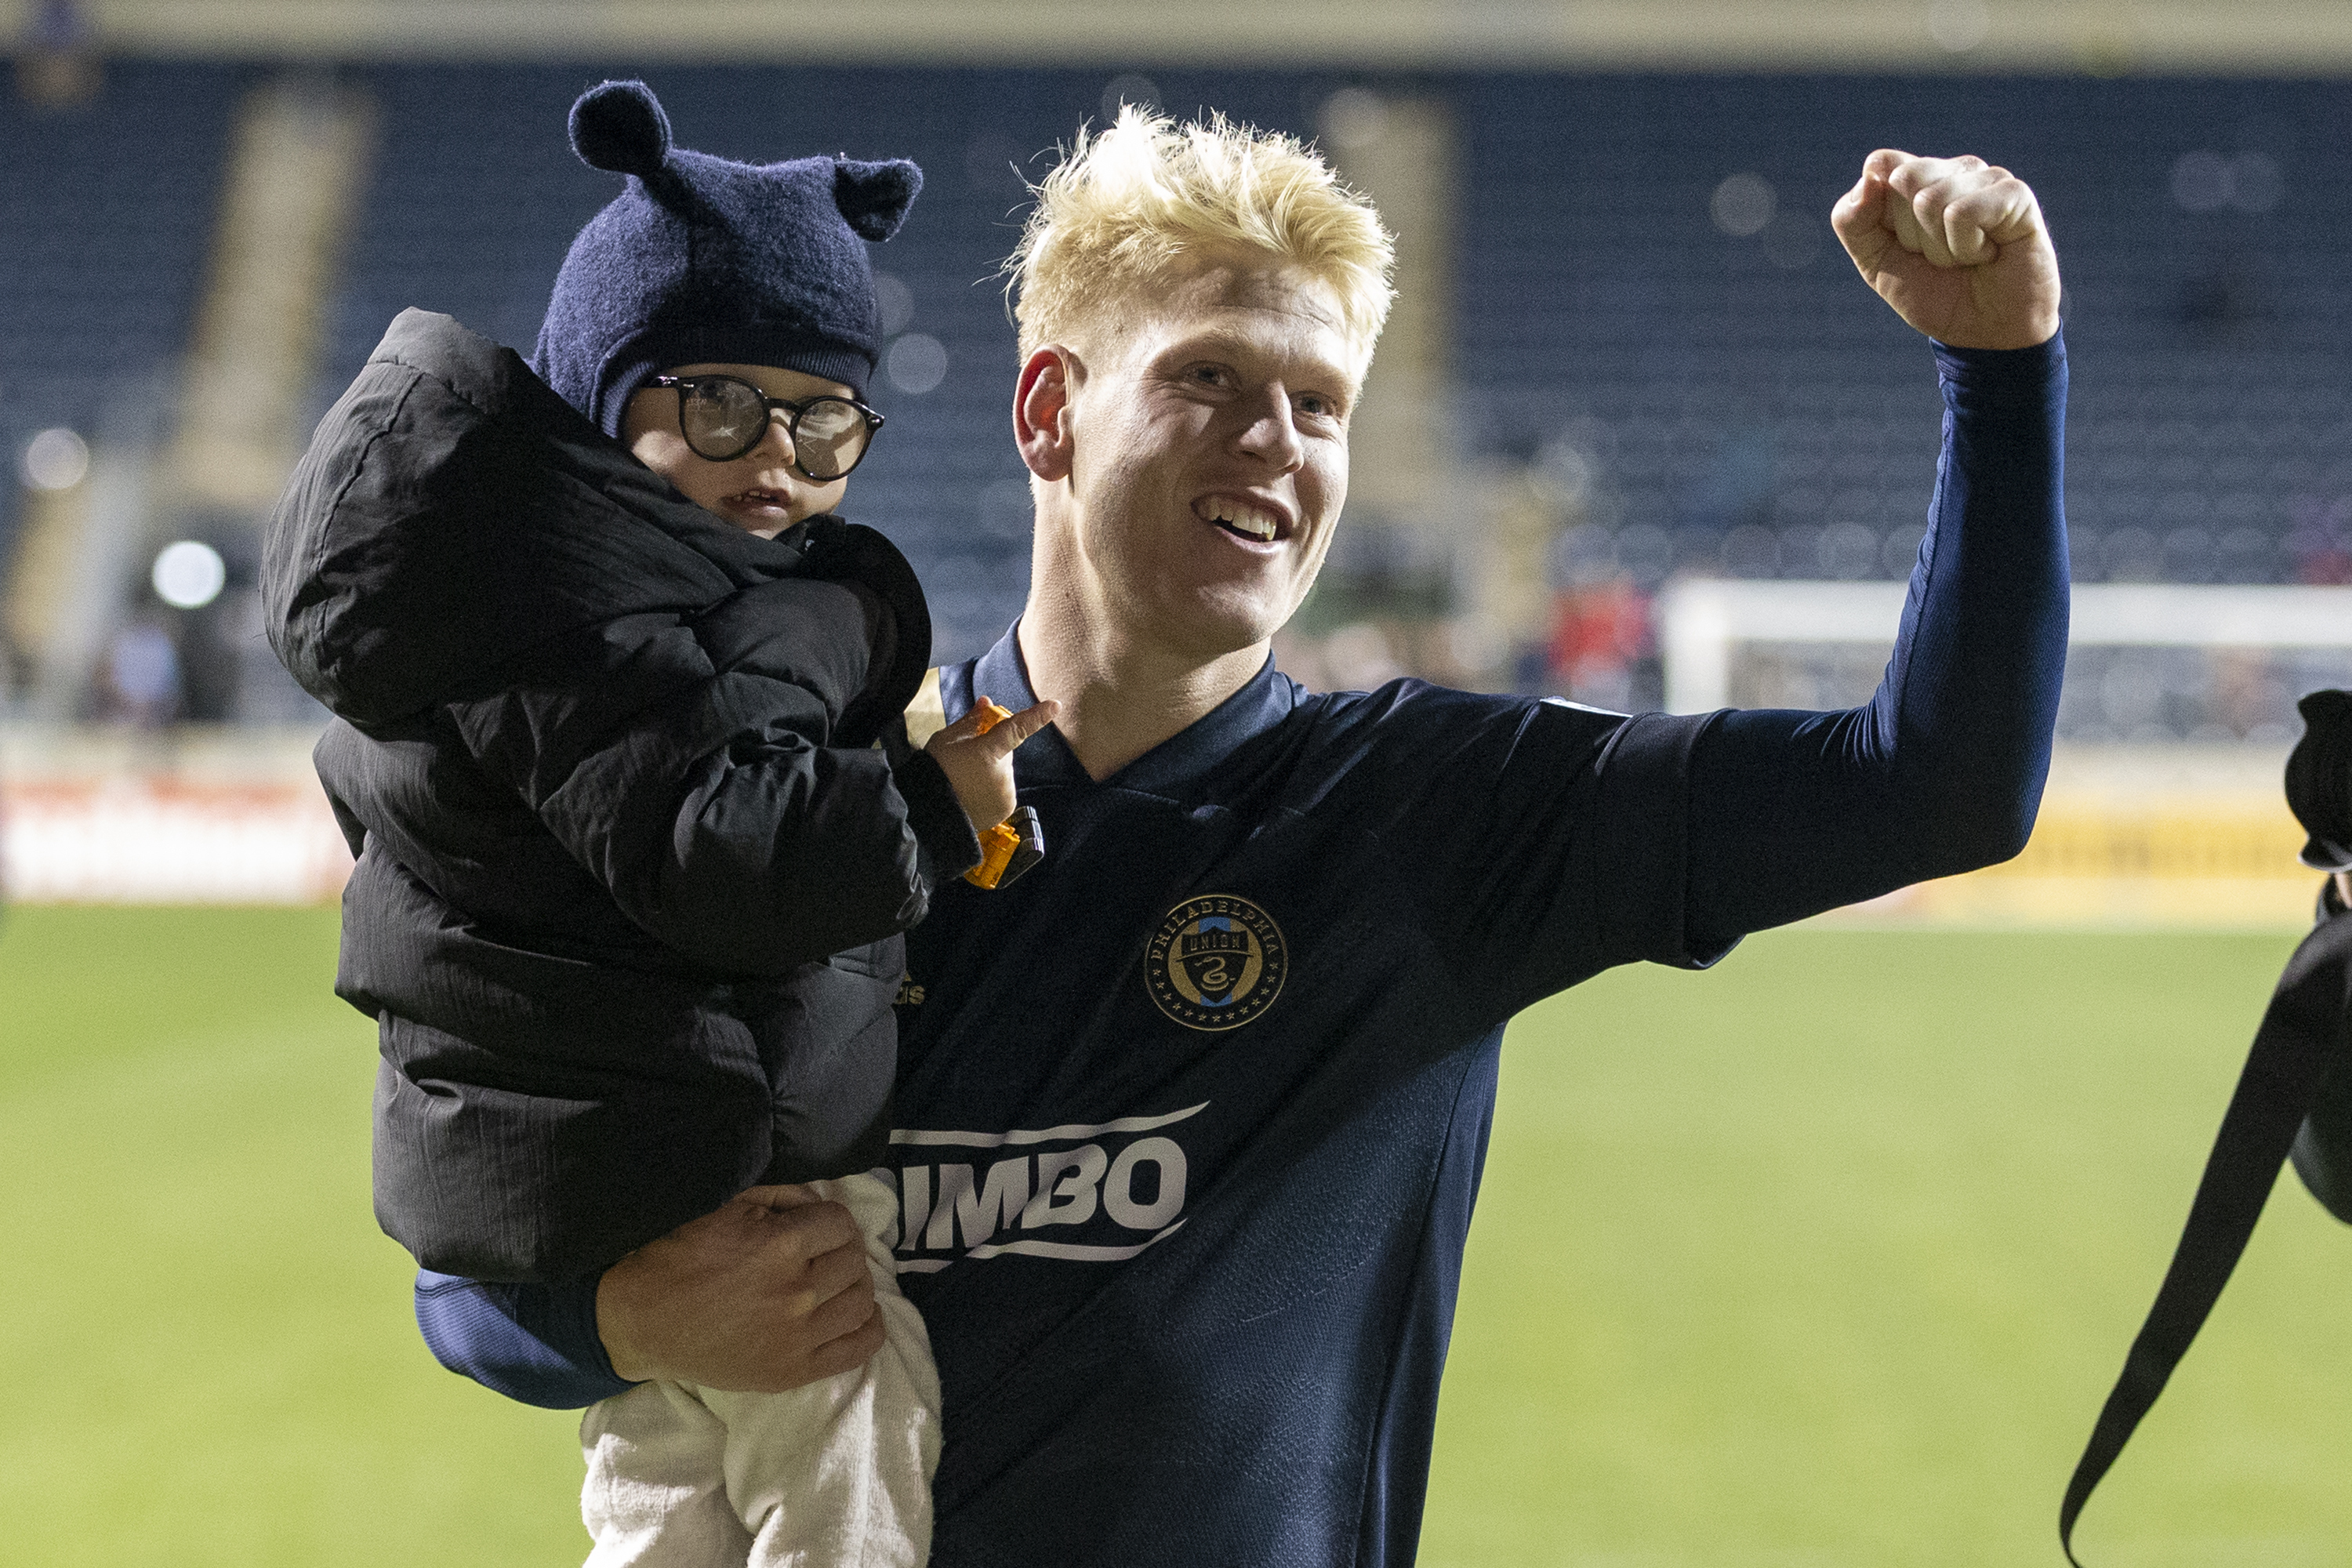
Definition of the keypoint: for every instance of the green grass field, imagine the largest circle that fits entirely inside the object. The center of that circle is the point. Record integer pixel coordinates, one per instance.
(1824, 1258)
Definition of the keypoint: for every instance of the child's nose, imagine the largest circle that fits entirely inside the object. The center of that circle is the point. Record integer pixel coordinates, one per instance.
(778, 440)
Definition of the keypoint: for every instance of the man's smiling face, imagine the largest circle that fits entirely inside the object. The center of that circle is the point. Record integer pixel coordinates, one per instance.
(1207, 455)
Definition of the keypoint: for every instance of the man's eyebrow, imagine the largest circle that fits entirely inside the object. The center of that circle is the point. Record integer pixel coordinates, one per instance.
(1215, 341)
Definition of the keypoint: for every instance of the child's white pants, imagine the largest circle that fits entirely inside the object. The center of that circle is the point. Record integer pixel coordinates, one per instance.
(836, 1474)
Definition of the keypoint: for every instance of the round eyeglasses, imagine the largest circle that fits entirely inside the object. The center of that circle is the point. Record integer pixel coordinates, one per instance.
(722, 418)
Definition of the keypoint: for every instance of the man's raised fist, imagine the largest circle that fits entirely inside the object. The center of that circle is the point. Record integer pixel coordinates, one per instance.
(1957, 246)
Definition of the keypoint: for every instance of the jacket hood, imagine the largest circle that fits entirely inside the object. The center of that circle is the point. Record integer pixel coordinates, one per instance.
(452, 512)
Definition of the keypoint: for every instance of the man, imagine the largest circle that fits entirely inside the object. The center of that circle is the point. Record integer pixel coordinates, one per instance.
(1189, 1122)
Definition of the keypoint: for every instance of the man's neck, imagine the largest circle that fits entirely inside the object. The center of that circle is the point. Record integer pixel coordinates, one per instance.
(1120, 698)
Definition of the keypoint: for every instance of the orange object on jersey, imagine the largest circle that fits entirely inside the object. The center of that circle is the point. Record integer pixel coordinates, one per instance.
(1013, 844)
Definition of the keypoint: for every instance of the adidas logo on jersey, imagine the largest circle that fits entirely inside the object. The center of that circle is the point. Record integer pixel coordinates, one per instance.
(1097, 1194)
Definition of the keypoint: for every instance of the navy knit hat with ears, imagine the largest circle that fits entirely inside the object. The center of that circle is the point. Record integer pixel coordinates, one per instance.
(706, 260)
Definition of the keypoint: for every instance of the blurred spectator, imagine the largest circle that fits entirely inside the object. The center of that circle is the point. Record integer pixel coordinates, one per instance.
(141, 677)
(1356, 657)
(15, 671)
(2221, 299)
(211, 671)
(2321, 541)
(1360, 656)
(1598, 631)
(57, 66)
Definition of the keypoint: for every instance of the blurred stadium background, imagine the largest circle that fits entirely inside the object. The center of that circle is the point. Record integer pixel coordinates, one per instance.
(1637, 436)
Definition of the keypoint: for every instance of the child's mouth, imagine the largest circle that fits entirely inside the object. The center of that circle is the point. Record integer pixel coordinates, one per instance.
(764, 504)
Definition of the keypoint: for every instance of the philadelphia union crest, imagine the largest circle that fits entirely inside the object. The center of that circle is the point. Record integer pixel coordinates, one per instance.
(1216, 963)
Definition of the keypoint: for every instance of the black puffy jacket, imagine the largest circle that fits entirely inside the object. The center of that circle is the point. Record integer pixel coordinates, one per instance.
(635, 821)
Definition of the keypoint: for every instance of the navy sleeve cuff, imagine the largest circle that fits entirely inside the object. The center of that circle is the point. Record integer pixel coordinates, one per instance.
(534, 1343)
(2028, 374)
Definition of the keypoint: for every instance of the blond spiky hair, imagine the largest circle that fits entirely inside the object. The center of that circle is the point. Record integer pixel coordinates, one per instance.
(1132, 202)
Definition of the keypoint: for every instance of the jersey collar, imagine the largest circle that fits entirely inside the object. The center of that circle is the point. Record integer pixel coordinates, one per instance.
(1182, 760)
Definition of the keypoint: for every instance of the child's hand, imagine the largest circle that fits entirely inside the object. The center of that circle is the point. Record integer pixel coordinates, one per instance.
(976, 754)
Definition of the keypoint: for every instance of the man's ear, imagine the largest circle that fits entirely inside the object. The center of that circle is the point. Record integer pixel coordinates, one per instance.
(1041, 412)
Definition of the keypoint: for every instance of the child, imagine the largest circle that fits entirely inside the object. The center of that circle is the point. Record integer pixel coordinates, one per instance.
(616, 747)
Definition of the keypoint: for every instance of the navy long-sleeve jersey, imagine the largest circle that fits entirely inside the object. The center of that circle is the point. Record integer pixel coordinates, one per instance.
(1190, 1119)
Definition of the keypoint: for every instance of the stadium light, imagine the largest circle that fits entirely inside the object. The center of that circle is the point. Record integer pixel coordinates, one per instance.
(1743, 204)
(189, 574)
(1130, 88)
(56, 460)
(917, 362)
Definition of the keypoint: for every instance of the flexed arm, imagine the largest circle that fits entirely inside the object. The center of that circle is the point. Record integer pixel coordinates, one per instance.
(1554, 842)
(1942, 771)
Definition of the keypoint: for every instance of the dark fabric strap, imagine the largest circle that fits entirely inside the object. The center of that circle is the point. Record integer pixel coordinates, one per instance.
(2303, 1032)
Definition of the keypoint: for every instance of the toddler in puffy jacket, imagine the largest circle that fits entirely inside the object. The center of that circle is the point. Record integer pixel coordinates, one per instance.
(618, 745)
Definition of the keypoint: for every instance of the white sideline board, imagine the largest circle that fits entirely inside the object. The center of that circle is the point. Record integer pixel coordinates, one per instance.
(1701, 619)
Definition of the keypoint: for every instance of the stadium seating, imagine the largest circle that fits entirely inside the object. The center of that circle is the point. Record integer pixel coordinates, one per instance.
(109, 209)
(1711, 400)
(1741, 408)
